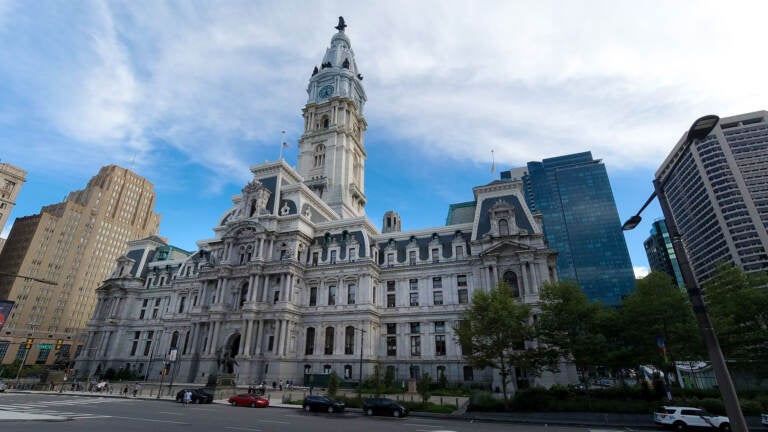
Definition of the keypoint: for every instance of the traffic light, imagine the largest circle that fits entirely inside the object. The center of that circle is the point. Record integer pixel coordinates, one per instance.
(58, 343)
(28, 345)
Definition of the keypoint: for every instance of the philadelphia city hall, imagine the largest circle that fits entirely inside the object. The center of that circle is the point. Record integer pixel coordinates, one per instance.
(298, 282)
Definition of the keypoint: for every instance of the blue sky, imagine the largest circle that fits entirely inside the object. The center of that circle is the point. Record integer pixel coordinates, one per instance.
(190, 94)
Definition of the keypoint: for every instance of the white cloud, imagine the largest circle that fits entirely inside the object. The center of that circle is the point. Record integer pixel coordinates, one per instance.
(641, 272)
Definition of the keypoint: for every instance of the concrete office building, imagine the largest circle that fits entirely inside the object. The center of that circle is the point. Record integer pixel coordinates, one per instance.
(64, 253)
(581, 223)
(297, 282)
(11, 179)
(718, 195)
(661, 254)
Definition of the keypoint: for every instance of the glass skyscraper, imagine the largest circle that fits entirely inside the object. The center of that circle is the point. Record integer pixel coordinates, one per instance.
(661, 254)
(581, 223)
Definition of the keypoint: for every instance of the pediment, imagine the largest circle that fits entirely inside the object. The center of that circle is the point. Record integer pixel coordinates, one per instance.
(506, 247)
(244, 228)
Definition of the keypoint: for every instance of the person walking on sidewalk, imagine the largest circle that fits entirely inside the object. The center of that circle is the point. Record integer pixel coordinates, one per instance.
(187, 398)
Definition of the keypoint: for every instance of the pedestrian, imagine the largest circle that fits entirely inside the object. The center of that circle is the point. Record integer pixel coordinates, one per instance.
(187, 397)
(281, 385)
(125, 390)
(274, 385)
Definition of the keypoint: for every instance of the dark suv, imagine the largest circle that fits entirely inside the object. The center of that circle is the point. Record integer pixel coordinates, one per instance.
(384, 406)
(199, 395)
(322, 403)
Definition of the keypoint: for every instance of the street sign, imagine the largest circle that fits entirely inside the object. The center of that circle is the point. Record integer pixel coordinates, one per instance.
(44, 346)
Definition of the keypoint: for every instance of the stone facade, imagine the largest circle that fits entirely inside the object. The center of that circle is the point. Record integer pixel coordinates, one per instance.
(297, 281)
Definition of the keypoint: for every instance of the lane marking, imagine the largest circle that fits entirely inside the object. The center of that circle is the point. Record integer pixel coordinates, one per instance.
(170, 412)
(151, 420)
(242, 428)
(274, 421)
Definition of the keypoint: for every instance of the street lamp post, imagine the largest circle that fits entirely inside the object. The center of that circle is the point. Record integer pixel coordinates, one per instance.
(360, 379)
(699, 130)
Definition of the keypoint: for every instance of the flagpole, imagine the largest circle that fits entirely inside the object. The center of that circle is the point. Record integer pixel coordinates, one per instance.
(282, 145)
(493, 163)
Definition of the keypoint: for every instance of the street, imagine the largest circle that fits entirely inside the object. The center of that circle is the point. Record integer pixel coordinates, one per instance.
(111, 414)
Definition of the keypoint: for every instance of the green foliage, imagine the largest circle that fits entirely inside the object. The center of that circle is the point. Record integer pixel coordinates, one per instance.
(485, 401)
(493, 332)
(423, 387)
(657, 309)
(570, 325)
(738, 306)
(333, 384)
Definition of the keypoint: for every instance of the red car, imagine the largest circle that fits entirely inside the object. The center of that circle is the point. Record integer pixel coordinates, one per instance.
(248, 400)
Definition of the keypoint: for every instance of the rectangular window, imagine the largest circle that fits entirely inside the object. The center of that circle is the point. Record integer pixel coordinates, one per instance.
(331, 295)
(135, 343)
(351, 288)
(313, 296)
(276, 296)
(414, 299)
(390, 300)
(390, 286)
(439, 326)
(3, 349)
(352, 254)
(459, 251)
(413, 284)
(22, 352)
(333, 257)
(412, 257)
(391, 328)
(271, 343)
(181, 304)
(416, 346)
(42, 356)
(437, 297)
(415, 327)
(314, 259)
(437, 283)
(463, 296)
(391, 345)
(461, 281)
(440, 345)
(390, 259)
(435, 255)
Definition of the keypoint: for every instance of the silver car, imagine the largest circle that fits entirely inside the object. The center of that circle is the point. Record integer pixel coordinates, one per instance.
(3, 386)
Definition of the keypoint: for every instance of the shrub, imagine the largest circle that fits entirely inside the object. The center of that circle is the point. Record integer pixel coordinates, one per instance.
(485, 401)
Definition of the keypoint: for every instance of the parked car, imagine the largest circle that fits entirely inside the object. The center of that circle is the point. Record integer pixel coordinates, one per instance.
(384, 406)
(248, 400)
(199, 395)
(681, 418)
(764, 419)
(3, 386)
(322, 403)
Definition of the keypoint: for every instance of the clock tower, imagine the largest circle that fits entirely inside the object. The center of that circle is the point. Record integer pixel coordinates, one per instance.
(331, 150)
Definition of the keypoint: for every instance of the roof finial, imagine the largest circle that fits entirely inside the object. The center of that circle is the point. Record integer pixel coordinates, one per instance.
(341, 25)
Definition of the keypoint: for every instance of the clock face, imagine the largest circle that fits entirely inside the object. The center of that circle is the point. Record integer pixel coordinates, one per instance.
(326, 91)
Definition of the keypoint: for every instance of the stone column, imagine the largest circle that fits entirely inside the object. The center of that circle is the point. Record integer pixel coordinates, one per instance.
(278, 337)
(246, 346)
(259, 337)
(214, 337)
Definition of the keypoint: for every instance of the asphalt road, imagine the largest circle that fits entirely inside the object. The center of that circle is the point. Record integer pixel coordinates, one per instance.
(94, 414)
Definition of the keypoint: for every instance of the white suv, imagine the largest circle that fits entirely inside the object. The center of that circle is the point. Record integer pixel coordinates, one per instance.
(681, 418)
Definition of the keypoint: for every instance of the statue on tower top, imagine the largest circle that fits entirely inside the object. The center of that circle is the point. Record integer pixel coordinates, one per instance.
(341, 25)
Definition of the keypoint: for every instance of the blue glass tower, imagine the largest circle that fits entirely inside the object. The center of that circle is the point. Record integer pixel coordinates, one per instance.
(581, 223)
(661, 253)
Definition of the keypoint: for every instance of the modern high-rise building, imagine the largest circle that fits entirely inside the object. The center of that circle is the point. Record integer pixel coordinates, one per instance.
(581, 223)
(717, 189)
(661, 254)
(297, 282)
(53, 261)
(11, 179)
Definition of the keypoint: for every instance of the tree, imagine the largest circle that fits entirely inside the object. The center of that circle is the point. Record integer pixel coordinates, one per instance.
(333, 384)
(658, 325)
(738, 306)
(423, 387)
(493, 334)
(571, 324)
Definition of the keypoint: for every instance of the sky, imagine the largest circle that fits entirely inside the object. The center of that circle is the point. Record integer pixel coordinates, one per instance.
(190, 94)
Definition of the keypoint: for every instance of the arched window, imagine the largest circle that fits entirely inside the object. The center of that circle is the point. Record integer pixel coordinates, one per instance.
(319, 155)
(309, 346)
(503, 227)
(347, 371)
(329, 340)
(349, 340)
(243, 294)
(510, 278)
